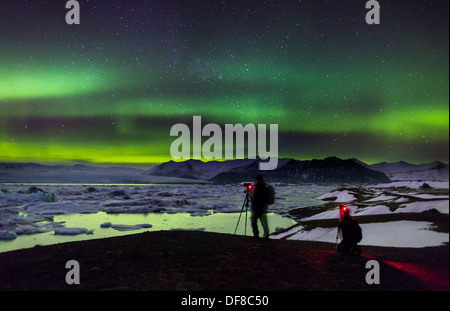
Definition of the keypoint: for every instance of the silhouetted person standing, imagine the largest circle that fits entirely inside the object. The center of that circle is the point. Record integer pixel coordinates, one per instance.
(259, 206)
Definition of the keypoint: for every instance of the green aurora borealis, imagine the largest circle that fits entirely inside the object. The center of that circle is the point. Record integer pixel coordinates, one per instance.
(109, 90)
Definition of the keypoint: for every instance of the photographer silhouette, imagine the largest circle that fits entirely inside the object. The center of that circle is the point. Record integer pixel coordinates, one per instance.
(260, 200)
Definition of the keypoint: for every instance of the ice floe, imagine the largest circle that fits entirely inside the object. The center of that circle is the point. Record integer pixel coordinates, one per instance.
(24, 212)
(72, 231)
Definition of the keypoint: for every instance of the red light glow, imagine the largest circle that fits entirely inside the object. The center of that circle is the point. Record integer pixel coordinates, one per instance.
(344, 209)
(436, 280)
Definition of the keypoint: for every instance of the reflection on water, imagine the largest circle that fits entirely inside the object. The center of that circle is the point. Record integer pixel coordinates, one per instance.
(216, 222)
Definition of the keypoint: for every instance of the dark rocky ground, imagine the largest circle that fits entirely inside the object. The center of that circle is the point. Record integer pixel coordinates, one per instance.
(199, 261)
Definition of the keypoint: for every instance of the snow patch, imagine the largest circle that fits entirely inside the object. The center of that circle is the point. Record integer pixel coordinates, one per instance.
(382, 197)
(339, 196)
(373, 210)
(414, 184)
(415, 234)
(442, 206)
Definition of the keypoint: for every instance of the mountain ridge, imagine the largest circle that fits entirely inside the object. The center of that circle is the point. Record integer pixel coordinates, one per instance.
(328, 170)
(331, 169)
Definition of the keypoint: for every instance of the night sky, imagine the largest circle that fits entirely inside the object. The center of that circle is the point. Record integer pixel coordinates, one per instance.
(107, 91)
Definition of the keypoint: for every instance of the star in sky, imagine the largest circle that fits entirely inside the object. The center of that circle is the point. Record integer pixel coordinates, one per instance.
(109, 90)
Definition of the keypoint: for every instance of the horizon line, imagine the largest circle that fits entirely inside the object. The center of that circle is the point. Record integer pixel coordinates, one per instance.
(144, 166)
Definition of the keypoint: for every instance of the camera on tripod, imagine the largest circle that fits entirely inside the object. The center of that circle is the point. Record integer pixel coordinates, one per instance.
(248, 187)
(247, 200)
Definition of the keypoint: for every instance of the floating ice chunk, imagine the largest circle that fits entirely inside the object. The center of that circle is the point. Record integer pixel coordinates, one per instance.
(7, 235)
(47, 197)
(30, 218)
(8, 212)
(60, 208)
(71, 231)
(34, 189)
(199, 213)
(106, 225)
(29, 229)
(156, 209)
(37, 228)
(120, 193)
(125, 227)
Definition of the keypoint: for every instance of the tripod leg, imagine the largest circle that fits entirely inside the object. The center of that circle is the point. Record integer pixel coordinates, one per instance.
(239, 220)
(246, 210)
(337, 240)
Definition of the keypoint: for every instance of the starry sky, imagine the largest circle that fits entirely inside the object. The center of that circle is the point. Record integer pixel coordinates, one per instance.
(108, 91)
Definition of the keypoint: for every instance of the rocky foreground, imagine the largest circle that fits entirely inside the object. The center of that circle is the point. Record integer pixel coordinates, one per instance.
(198, 261)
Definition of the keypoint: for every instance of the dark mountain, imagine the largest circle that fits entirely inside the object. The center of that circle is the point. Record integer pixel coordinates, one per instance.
(195, 169)
(330, 170)
(38, 173)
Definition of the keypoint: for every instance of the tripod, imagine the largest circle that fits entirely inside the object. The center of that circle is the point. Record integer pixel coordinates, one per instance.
(337, 239)
(245, 204)
(342, 210)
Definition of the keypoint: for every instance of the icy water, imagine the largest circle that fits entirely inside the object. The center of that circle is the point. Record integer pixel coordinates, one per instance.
(212, 208)
(219, 222)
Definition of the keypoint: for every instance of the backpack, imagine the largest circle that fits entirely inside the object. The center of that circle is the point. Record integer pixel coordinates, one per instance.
(270, 194)
(351, 230)
(356, 232)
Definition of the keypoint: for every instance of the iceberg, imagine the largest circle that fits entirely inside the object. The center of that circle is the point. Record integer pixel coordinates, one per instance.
(125, 227)
(59, 208)
(7, 235)
(72, 231)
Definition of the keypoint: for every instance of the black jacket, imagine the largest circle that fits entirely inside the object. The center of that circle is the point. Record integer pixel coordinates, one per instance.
(351, 231)
(259, 198)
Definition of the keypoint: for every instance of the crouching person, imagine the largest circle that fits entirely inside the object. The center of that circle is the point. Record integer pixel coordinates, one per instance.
(351, 233)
